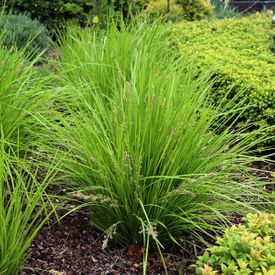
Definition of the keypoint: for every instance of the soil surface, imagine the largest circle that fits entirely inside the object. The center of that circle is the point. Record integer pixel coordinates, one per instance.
(73, 247)
(266, 173)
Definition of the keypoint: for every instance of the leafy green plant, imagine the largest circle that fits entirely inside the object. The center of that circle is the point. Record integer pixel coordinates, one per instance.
(195, 9)
(24, 208)
(244, 249)
(24, 33)
(238, 52)
(159, 7)
(54, 13)
(138, 138)
(184, 9)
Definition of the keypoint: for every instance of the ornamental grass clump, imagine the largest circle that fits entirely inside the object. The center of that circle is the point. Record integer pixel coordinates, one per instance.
(24, 208)
(141, 140)
(23, 98)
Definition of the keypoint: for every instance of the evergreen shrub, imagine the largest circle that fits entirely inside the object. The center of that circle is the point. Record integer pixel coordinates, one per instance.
(239, 53)
(23, 33)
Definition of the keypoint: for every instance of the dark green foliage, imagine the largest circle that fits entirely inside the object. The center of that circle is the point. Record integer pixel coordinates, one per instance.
(54, 13)
(244, 249)
(23, 32)
(129, 7)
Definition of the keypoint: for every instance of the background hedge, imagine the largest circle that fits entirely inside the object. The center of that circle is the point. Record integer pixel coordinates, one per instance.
(53, 13)
(239, 52)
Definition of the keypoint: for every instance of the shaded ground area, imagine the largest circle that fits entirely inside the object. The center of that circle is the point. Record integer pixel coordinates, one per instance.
(266, 173)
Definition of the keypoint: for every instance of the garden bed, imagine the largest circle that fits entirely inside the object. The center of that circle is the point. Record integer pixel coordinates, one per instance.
(121, 128)
(74, 247)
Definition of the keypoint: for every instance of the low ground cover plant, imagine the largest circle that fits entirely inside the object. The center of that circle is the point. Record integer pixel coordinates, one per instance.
(247, 248)
(139, 141)
(238, 52)
(22, 32)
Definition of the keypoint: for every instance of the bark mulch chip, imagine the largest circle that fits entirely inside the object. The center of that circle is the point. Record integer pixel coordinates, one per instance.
(73, 247)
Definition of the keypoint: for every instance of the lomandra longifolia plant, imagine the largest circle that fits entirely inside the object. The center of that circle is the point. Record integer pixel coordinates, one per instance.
(24, 205)
(23, 97)
(141, 140)
(24, 208)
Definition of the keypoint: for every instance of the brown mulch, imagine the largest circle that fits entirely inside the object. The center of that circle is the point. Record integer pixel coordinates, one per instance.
(73, 247)
(266, 173)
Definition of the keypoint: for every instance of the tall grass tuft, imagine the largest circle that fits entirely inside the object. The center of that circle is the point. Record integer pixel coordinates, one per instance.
(24, 98)
(24, 208)
(24, 205)
(141, 141)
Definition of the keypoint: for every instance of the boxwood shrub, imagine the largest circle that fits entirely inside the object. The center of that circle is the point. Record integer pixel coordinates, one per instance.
(239, 53)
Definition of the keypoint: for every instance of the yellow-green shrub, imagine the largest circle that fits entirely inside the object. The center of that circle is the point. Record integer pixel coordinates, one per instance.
(239, 52)
(195, 9)
(160, 7)
(187, 9)
(245, 249)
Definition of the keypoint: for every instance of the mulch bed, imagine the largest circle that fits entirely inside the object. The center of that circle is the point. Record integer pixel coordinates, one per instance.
(266, 173)
(73, 247)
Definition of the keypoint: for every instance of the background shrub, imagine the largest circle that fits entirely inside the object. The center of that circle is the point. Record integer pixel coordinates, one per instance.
(23, 32)
(238, 52)
(244, 249)
(54, 13)
(158, 7)
(195, 9)
(181, 9)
